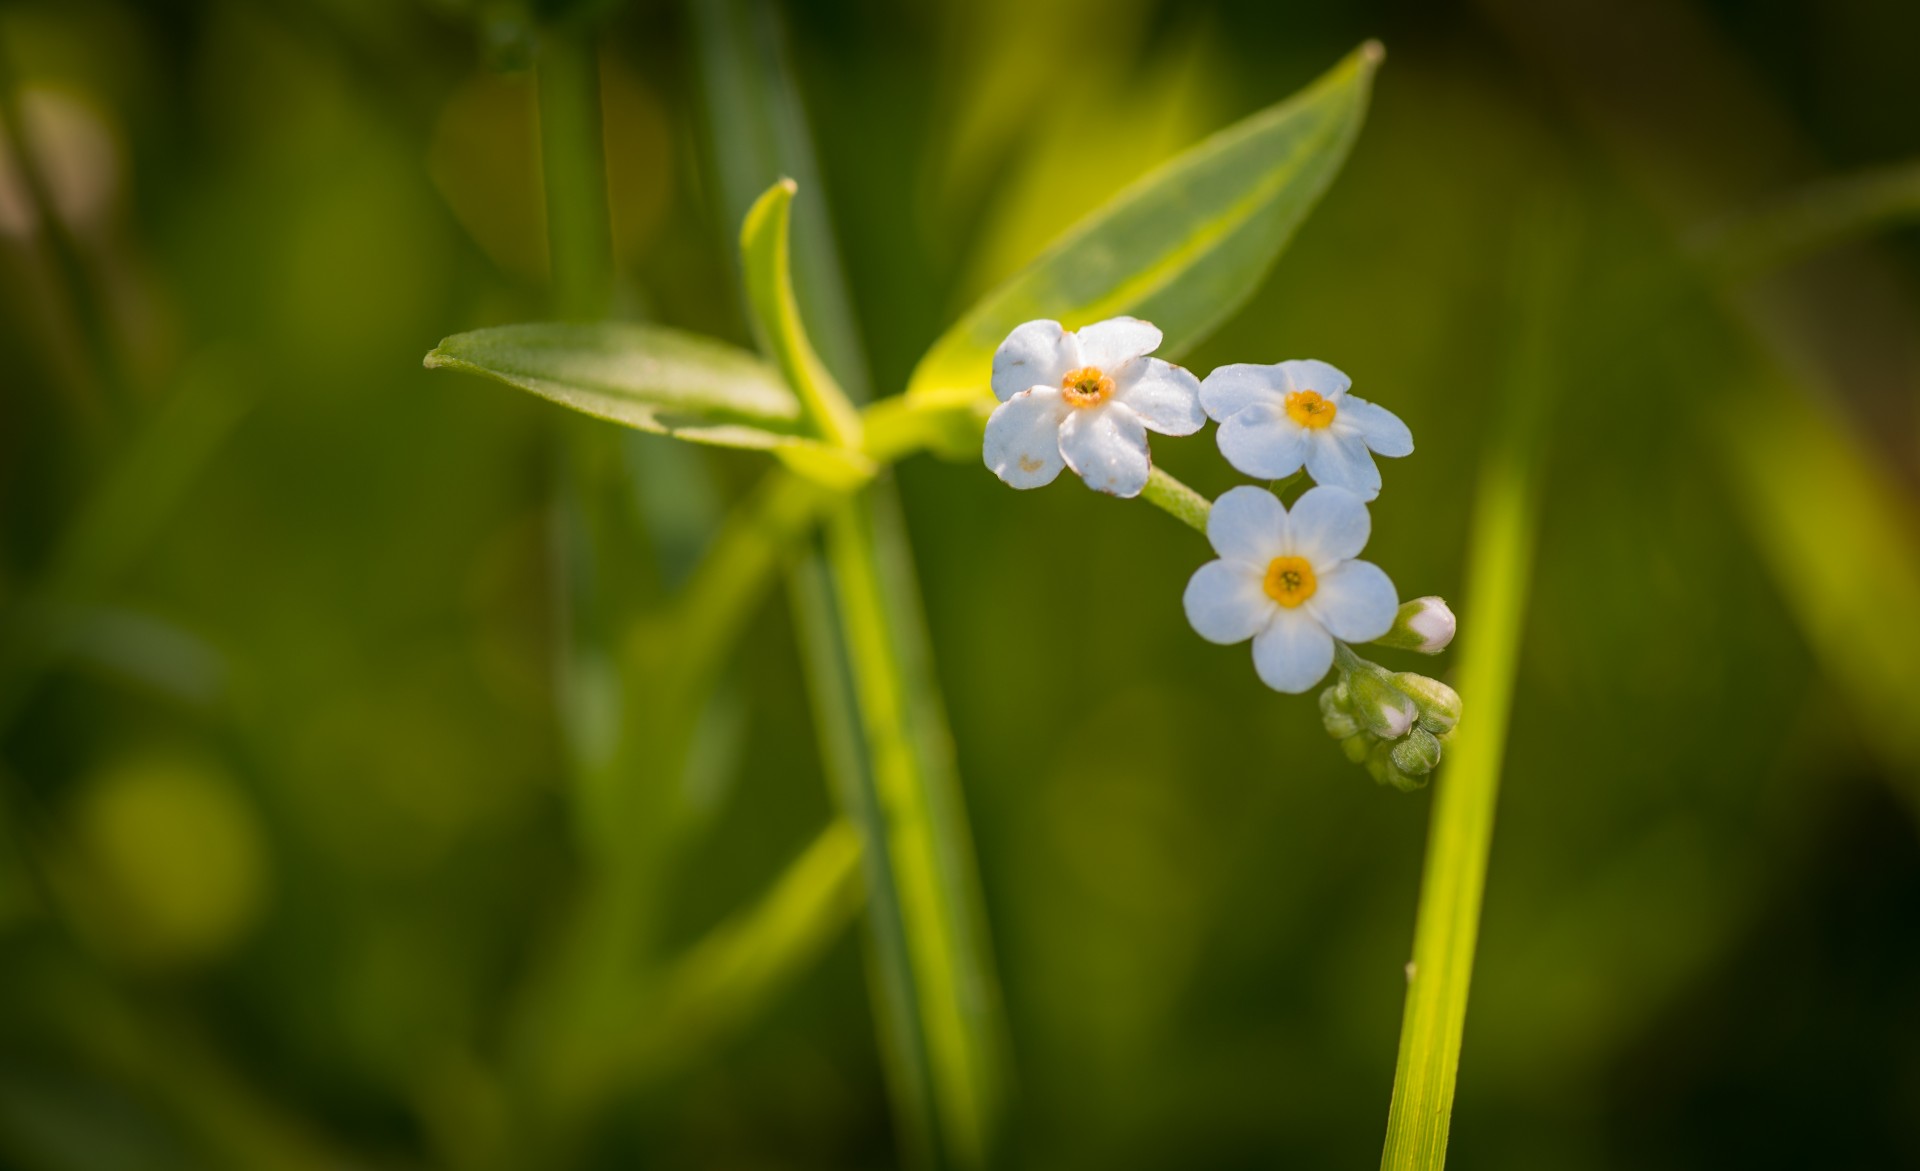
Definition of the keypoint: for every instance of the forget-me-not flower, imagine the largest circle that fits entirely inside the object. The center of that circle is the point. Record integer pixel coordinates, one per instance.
(1275, 419)
(1086, 400)
(1287, 580)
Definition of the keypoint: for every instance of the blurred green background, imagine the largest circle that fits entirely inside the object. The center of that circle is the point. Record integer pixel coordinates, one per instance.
(286, 817)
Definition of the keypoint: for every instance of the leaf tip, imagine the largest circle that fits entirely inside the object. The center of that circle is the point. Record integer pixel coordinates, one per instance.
(1373, 52)
(788, 185)
(435, 359)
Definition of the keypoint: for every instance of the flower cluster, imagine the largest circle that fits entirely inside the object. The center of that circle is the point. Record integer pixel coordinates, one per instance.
(1286, 578)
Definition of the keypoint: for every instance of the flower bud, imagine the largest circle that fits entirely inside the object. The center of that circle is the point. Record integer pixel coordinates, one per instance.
(1439, 704)
(1418, 754)
(1381, 766)
(1357, 746)
(1378, 705)
(1425, 625)
(1335, 715)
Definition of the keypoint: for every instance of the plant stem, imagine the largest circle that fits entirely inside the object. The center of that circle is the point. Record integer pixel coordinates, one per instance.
(1179, 501)
(573, 167)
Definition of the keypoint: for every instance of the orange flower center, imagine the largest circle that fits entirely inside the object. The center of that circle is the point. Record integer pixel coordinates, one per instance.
(1086, 387)
(1290, 581)
(1308, 409)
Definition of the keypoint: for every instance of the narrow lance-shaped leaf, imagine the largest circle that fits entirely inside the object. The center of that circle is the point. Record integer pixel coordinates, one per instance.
(1183, 247)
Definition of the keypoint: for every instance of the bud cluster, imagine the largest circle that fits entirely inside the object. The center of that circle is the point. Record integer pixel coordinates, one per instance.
(1392, 722)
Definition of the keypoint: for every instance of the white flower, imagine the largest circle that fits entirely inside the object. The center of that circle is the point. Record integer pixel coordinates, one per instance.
(1273, 419)
(1087, 399)
(1287, 580)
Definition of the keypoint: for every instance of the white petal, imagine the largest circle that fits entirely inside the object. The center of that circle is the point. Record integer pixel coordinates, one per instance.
(1023, 437)
(1327, 526)
(1230, 389)
(1315, 375)
(1038, 353)
(1355, 601)
(1111, 344)
(1107, 446)
(1226, 602)
(1340, 459)
(1165, 396)
(1263, 441)
(1379, 427)
(1248, 525)
(1293, 652)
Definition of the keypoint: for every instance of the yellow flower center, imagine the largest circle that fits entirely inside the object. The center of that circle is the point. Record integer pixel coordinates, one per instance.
(1086, 387)
(1290, 580)
(1308, 409)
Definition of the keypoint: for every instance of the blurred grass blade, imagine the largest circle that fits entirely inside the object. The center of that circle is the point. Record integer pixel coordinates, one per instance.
(1499, 566)
(758, 133)
(574, 172)
(1184, 246)
(1805, 222)
(730, 975)
(1844, 554)
(119, 522)
(768, 274)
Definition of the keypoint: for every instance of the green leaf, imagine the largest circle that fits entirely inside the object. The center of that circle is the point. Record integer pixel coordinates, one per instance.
(767, 270)
(647, 377)
(1184, 246)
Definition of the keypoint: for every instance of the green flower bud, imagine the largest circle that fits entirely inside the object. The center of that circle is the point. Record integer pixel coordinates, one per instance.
(1418, 754)
(1439, 704)
(1381, 767)
(1424, 624)
(1334, 715)
(1357, 746)
(1378, 705)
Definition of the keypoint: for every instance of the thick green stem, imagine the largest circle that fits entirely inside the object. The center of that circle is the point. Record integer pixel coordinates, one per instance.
(1179, 501)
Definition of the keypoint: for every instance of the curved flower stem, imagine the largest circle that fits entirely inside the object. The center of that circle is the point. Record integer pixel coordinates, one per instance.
(1179, 501)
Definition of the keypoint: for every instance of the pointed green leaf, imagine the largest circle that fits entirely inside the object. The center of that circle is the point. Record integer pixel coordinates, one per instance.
(647, 377)
(767, 270)
(1184, 246)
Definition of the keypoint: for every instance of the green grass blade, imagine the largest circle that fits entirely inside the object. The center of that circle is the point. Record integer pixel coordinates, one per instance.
(1460, 835)
(729, 976)
(1820, 216)
(1183, 247)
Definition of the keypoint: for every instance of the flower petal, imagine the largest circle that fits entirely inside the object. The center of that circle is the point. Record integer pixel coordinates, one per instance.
(1226, 603)
(1379, 427)
(1165, 396)
(1038, 353)
(1107, 446)
(1293, 652)
(1023, 437)
(1228, 390)
(1112, 343)
(1355, 601)
(1327, 526)
(1248, 525)
(1315, 375)
(1262, 441)
(1340, 459)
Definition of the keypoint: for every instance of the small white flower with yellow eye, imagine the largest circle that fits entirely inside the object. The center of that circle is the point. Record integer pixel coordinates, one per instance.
(1288, 581)
(1086, 400)
(1276, 419)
